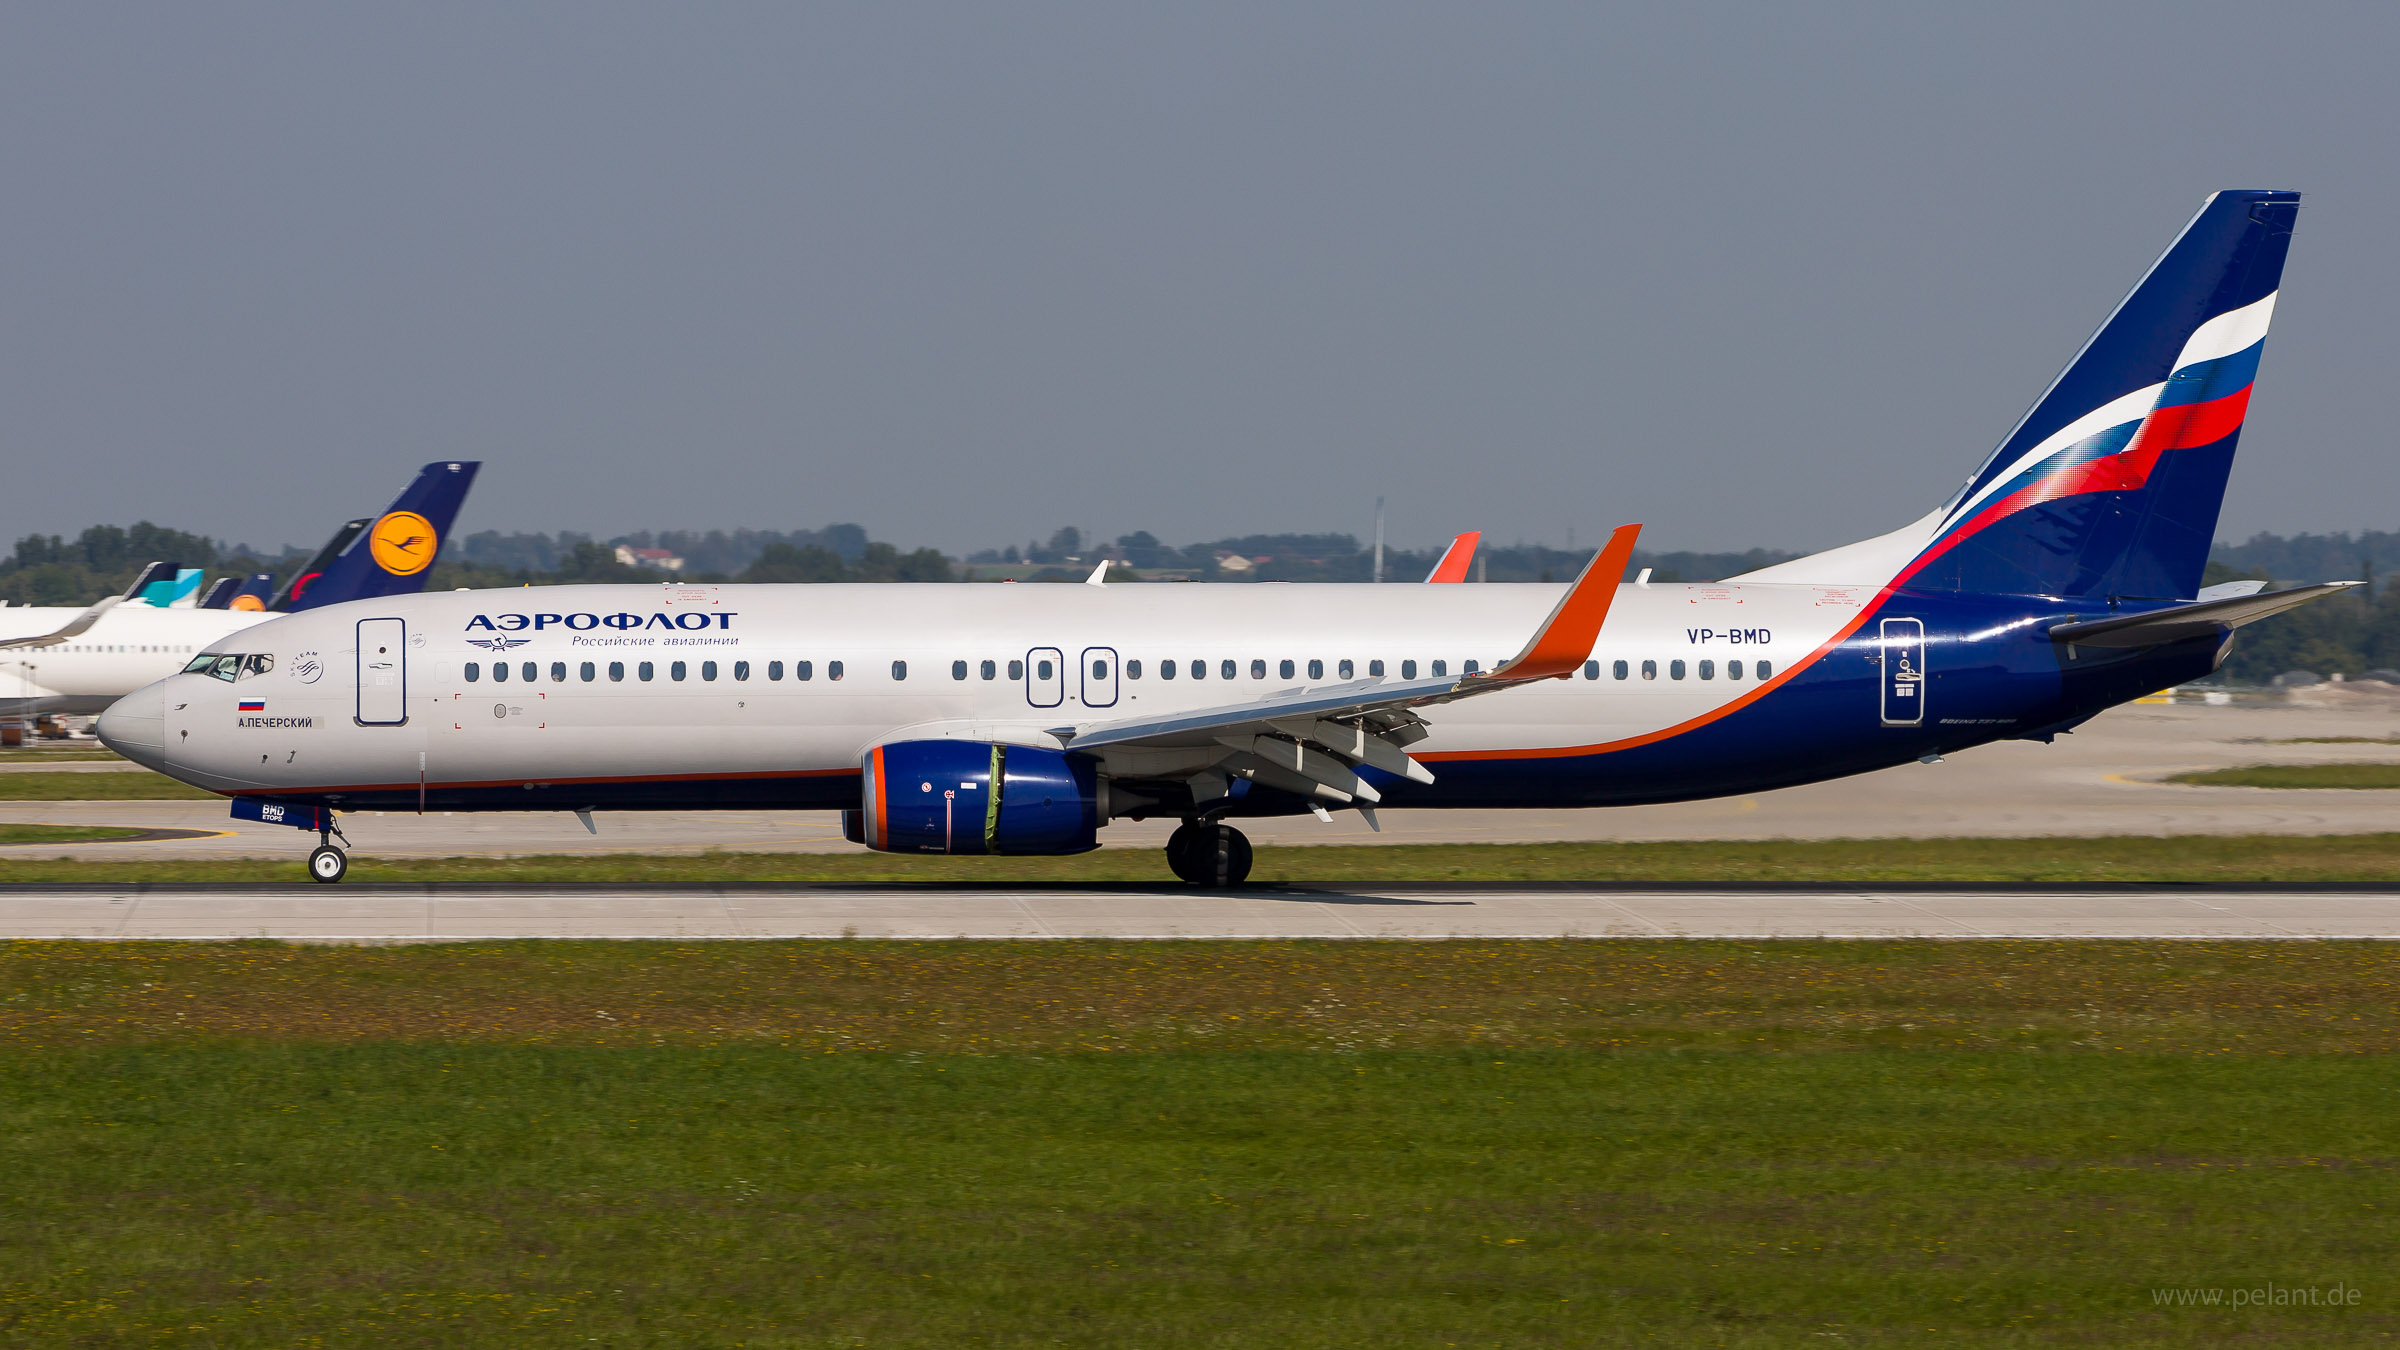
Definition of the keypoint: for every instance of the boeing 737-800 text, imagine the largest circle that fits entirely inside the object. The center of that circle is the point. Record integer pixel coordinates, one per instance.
(2063, 578)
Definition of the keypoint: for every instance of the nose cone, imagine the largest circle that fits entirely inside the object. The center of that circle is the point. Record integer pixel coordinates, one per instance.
(135, 726)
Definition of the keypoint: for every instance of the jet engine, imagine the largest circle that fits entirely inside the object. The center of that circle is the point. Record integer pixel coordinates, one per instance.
(976, 797)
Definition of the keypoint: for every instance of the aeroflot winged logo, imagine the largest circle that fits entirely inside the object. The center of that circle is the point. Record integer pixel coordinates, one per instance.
(690, 621)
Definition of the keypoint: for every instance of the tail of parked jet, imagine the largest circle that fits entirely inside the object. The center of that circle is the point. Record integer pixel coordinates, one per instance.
(391, 554)
(2109, 487)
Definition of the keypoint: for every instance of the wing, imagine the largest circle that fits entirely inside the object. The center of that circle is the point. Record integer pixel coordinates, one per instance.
(1312, 742)
(81, 623)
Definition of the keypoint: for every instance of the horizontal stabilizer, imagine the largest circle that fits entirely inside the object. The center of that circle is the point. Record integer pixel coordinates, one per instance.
(2199, 619)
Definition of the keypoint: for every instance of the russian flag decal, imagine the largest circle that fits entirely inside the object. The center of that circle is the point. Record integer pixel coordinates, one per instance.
(251, 705)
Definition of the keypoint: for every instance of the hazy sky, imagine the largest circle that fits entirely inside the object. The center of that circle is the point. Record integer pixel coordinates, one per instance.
(1756, 275)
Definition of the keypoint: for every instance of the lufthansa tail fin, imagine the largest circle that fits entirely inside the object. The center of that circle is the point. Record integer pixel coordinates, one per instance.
(392, 555)
(2109, 487)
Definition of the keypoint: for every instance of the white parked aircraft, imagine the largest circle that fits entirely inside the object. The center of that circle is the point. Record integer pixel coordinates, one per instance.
(2063, 578)
(55, 659)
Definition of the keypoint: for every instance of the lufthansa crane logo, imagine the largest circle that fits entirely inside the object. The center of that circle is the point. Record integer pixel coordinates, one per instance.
(402, 543)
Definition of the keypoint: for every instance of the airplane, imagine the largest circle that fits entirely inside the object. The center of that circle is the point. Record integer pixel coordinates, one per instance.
(1452, 565)
(2063, 578)
(62, 660)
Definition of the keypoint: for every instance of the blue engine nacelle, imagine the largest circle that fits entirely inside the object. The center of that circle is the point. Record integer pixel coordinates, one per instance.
(974, 797)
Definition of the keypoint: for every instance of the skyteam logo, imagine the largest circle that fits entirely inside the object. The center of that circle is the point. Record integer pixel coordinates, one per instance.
(690, 621)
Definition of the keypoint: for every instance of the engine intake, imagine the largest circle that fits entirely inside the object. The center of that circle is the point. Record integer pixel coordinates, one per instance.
(975, 797)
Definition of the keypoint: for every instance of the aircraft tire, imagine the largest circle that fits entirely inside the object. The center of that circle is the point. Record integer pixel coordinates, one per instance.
(1216, 857)
(327, 864)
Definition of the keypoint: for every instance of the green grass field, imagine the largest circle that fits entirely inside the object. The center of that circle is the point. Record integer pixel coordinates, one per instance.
(2364, 858)
(1151, 1144)
(130, 785)
(2296, 776)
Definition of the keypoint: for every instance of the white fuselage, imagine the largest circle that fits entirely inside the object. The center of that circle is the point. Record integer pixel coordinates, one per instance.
(419, 706)
(128, 647)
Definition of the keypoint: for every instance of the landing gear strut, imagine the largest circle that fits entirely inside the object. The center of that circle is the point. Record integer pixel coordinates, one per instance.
(327, 864)
(1206, 853)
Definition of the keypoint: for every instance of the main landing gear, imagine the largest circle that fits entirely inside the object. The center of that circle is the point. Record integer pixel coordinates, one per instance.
(327, 864)
(1206, 853)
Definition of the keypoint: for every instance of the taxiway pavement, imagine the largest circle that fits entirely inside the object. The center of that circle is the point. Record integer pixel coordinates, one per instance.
(460, 913)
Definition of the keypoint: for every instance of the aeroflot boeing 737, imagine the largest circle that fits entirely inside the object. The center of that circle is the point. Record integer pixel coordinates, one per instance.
(2063, 578)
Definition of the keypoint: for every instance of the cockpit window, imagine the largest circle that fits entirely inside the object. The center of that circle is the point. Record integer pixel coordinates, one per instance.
(257, 663)
(225, 665)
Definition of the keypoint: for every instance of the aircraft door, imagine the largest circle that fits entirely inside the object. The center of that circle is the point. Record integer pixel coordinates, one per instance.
(382, 672)
(1098, 672)
(1045, 677)
(1903, 672)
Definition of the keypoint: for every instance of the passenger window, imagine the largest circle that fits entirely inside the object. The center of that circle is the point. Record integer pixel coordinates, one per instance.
(741, 670)
(774, 670)
(1133, 669)
(1649, 670)
(1473, 666)
(474, 672)
(1733, 670)
(990, 670)
(1166, 670)
(529, 671)
(1226, 670)
(1675, 670)
(804, 670)
(899, 670)
(1284, 670)
(1619, 670)
(1708, 670)
(616, 671)
(500, 671)
(676, 670)
(1016, 670)
(1375, 670)
(1591, 670)
(833, 670)
(645, 672)
(1316, 670)
(558, 672)
(1765, 671)
(1344, 671)
(1408, 670)
(1099, 670)
(1258, 668)
(1441, 667)
(1041, 670)
(589, 672)
(958, 670)
(708, 670)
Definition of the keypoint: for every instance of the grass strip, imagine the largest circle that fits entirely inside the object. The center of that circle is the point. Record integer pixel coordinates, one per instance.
(10, 759)
(1215, 1144)
(2229, 998)
(62, 834)
(137, 785)
(2358, 858)
(2296, 776)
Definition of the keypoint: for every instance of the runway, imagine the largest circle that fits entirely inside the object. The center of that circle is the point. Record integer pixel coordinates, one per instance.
(1417, 911)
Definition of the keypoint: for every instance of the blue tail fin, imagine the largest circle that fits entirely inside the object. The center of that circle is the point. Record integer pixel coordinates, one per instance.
(392, 556)
(2110, 486)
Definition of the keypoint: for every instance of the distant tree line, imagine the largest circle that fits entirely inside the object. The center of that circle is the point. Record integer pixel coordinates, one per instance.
(50, 569)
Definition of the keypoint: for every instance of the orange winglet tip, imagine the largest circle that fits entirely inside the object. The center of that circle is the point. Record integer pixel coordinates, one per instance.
(1453, 566)
(1565, 639)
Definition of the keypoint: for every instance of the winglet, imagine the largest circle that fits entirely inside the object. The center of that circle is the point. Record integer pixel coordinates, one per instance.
(1453, 566)
(1099, 576)
(1565, 639)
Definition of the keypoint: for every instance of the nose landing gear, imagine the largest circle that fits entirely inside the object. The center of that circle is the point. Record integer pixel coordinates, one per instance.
(1206, 853)
(327, 864)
